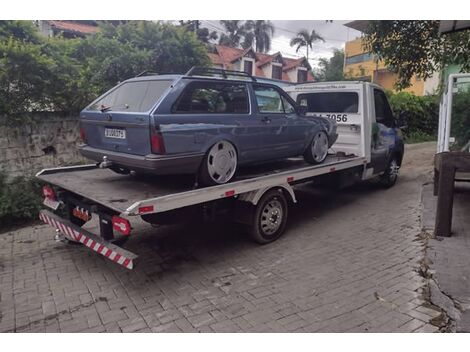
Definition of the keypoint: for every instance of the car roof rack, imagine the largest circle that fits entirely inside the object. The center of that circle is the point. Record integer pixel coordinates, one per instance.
(202, 71)
(147, 73)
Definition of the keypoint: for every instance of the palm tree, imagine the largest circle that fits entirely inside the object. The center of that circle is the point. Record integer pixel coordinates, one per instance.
(259, 32)
(235, 32)
(305, 39)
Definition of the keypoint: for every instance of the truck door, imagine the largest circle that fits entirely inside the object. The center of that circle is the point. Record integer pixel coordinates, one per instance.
(383, 132)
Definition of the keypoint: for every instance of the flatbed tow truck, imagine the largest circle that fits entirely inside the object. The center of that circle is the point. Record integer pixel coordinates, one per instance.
(258, 197)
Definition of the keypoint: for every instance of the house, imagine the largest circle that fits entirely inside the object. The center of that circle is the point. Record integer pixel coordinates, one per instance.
(273, 66)
(69, 29)
(364, 66)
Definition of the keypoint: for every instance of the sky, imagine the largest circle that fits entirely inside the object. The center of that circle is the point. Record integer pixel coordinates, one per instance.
(335, 34)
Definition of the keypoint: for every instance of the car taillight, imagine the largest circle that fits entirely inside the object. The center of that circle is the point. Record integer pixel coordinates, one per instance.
(48, 192)
(121, 225)
(82, 134)
(156, 141)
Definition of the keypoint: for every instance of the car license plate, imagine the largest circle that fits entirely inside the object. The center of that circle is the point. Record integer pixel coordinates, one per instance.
(53, 204)
(115, 133)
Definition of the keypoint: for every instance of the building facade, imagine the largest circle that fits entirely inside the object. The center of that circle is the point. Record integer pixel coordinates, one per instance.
(273, 66)
(363, 65)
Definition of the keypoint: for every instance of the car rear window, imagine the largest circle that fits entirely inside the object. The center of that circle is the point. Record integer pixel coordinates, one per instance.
(213, 98)
(330, 101)
(137, 96)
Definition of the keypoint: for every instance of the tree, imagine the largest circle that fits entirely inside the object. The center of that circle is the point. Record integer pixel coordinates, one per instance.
(202, 33)
(39, 73)
(305, 39)
(331, 69)
(260, 33)
(235, 32)
(411, 48)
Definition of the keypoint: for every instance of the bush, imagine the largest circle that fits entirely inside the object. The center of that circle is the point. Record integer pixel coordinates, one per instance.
(460, 128)
(20, 199)
(422, 112)
(57, 74)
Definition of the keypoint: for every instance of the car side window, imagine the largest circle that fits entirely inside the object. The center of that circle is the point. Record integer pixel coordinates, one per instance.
(288, 107)
(268, 100)
(383, 112)
(212, 98)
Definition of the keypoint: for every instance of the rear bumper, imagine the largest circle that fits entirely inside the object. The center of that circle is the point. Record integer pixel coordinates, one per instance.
(77, 234)
(151, 163)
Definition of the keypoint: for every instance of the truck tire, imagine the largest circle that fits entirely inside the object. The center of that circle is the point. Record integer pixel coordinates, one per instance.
(390, 176)
(270, 218)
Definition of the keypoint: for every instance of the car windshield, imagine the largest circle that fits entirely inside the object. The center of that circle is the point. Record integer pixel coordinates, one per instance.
(330, 102)
(137, 96)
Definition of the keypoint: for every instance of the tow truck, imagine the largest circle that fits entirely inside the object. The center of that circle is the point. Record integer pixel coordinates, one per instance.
(369, 146)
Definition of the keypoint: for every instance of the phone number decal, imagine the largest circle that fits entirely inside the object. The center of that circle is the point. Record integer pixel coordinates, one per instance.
(338, 117)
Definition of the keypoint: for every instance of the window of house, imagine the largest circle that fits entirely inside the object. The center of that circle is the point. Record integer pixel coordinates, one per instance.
(213, 98)
(248, 66)
(330, 102)
(383, 112)
(355, 59)
(269, 100)
(137, 96)
(277, 72)
(301, 76)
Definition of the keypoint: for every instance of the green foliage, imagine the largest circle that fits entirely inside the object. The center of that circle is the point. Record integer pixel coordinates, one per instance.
(20, 199)
(331, 69)
(38, 73)
(422, 112)
(460, 127)
(411, 48)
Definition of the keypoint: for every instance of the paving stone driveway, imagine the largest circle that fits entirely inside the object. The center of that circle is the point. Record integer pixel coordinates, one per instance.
(349, 262)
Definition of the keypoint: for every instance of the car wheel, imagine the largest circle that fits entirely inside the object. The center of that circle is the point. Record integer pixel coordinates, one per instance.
(270, 219)
(317, 151)
(219, 164)
(390, 176)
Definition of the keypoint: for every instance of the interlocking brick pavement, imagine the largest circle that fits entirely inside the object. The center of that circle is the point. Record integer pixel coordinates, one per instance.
(348, 262)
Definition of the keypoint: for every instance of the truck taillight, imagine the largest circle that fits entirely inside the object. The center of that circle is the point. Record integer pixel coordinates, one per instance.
(82, 134)
(48, 192)
(156, 141)
(121, 225)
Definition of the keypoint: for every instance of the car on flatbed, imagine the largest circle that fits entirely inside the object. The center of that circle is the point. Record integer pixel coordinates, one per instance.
(369, 147)
(195, 124)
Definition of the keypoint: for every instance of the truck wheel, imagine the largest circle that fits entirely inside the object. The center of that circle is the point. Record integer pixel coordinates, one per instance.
(270, 219)
(317, 151)
(390, 176)
(219, 164)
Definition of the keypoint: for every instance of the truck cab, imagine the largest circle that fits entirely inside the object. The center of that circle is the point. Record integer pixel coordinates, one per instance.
(366, 124)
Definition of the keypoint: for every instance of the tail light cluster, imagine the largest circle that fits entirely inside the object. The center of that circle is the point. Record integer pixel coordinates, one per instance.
(48, 192)
(121, 225)
(82, 134)
(156, 140)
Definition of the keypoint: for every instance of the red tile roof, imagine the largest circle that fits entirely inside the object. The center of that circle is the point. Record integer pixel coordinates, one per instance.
(74, 27)
(226, 56)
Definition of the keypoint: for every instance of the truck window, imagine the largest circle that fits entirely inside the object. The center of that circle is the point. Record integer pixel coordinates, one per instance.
(383, 112)
(137, 96)
(212, 97)
(330, 102)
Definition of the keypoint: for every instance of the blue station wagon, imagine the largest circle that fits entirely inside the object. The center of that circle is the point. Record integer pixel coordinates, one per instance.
(199, 124)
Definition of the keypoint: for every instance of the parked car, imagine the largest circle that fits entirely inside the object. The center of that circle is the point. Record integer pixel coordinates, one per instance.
(194, 123)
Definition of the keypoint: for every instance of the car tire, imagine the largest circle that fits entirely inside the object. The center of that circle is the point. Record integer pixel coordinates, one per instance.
(219, 164)
(317, 150)
(390, 176)
(270, 217)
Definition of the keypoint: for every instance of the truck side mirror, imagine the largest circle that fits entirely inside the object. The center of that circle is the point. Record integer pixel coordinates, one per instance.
(403, 118)
(302, 109)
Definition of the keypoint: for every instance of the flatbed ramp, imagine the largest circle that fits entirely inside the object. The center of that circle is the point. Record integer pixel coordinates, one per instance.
(137, 195)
